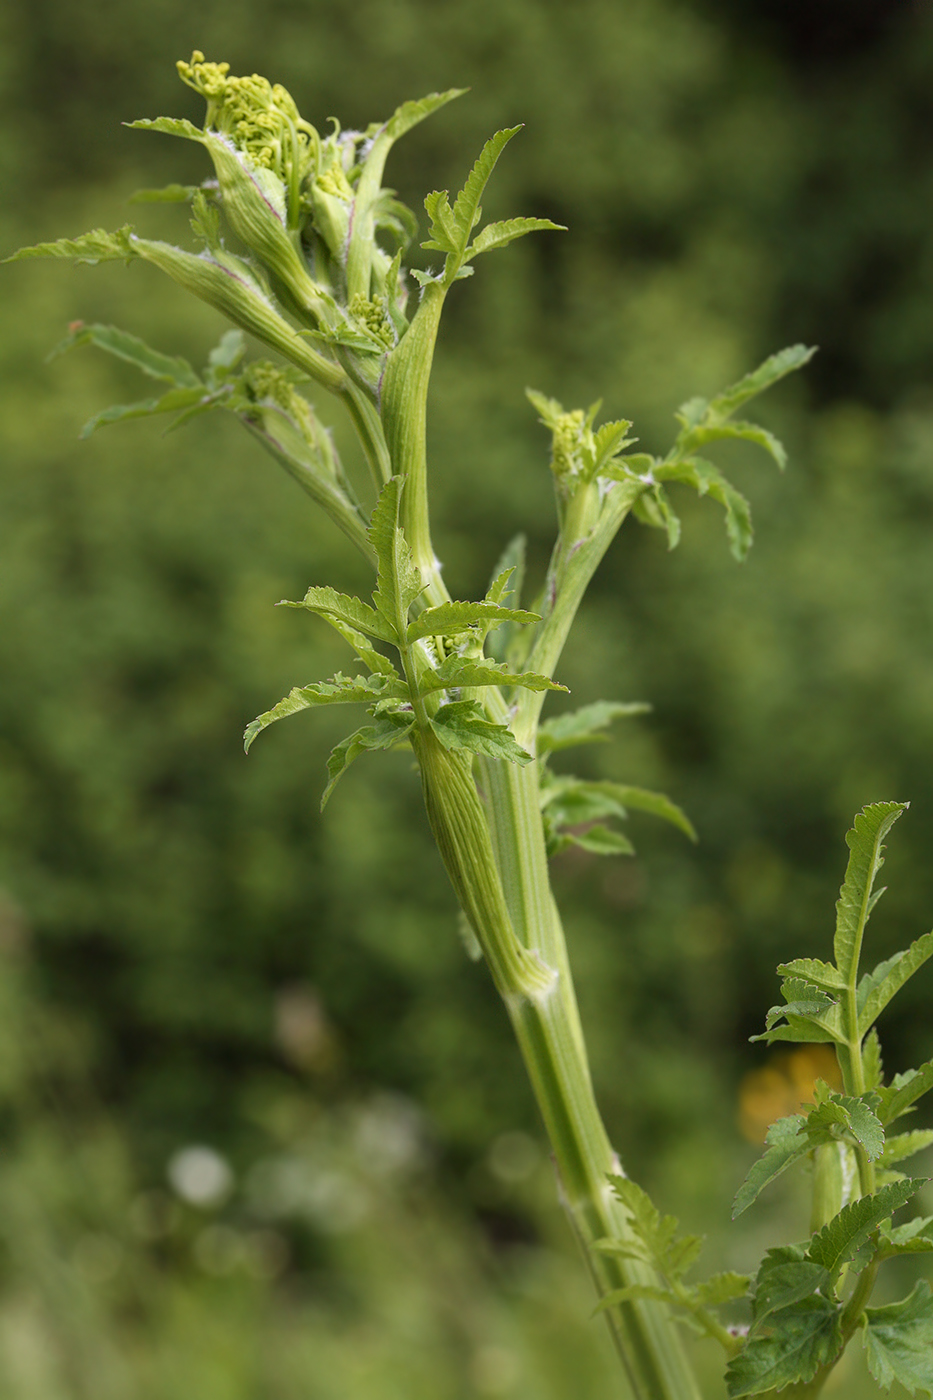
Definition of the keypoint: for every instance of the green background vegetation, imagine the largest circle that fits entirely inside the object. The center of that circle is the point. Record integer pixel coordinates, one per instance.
(189, 954)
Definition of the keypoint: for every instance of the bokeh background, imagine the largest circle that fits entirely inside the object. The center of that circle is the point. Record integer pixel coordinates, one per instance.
(264, 1131)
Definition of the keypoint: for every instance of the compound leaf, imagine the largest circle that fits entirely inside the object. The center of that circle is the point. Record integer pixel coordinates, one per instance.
(398, 580)
(582, 726)
(774, 368)
(890, 976)
(899, 1096)
(172, 369)
(821, 974)
(499, 234)
(389, 729)
(806, 1337)
(842, 1237)
(898, 1341)
(462, 724)
(342, 690)
(96, 246)
(342, 607)
(865, 842)
(785, 1145)
(464, 671)
(409, 114)
(449, 619)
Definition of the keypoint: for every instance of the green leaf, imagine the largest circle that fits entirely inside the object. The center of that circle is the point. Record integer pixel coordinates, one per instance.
(709, 480)
(367, 653)
(462, 725)
(864, 840)
(171, 126)
(399, 582)
(459, 672)
(466, 210)
(508, 576)
(652, 508)
(903, 1145)
(821, 974)
(499, 234)
(171, 402)
(895, 972)
(745, 432)
(170, 368)
(910, 1238)
(634, 1291)
(94, 247)
(855, 1116)
(449, 619)
(353, 612)
(720, 1288)
(785, 1277)
(168, 194)
(807, 1336)
(342, 690)
(389, 730)
(643, 800)
(773, 369)
(842, 1237)
(785, 1146)
(898, 1097)
(601, 841)
(898, 1341)
(409, 114)
(655, 1237)
(582, 726)
(872, 1066)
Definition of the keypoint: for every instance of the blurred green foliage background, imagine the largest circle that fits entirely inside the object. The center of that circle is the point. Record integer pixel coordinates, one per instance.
(264, 1129)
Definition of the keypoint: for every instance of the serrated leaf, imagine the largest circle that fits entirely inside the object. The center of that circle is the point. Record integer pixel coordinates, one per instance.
(656, 1233)
(353, 612)
(449, 619)
(166, 194)
(854, 1115)
(459, 672)
(653, 508)
(171, 126)
(872, 1065)
(96, 246)
(744, 432)
(635, 1291)
(903, 1145)
(865, 842)
(398, 581)
(898, 1341)
(720, 1288)
(389, 729)
(461, 724)
(601, 841)
(172, 369)
(785, 1146)
(799, 1031)
(172, 402)
(582, 726)
(610, 439)
(842, 1237)
(342, 690)
(506, 231)
(409, 114)
(898, 1097)
(643, 800)
(707, 479)
(774, 368)
(820, 974)
(808, 1337)
(466, 210)
(897, 971)
(782, 1282)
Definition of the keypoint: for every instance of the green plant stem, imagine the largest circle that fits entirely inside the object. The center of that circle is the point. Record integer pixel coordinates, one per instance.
(551, 1042)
